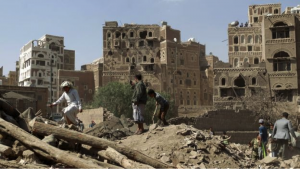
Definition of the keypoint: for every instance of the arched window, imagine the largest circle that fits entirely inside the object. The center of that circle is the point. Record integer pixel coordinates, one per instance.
(280, 30)
(141, 43)
(118, 34)
(236, 62)
(242, 39)
(131, 34)
(250, 39)
(152, 60)
(256, 61)
(239, 82)
(282, 62)
(41, 55)
(127, 60)
(133, 60)
(187, 75)
(276, 11)
(257, 39)
(236, 40)
(223, 81)
(253, 81)
(108, 35)
(145, 59)
(150, 34)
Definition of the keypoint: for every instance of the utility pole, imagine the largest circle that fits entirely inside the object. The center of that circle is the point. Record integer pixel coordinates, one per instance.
(51, 60)
(175, 72)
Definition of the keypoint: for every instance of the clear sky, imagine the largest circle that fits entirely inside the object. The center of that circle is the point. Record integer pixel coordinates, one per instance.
(81, 21)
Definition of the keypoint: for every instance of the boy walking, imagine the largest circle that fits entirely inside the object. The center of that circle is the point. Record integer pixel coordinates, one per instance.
(164, 106)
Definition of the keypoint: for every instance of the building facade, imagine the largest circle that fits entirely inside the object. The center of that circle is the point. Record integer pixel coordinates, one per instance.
(40, 61)
(10, 80)
(97, 67)
(38, 102)
(263, 55)
(157, 52)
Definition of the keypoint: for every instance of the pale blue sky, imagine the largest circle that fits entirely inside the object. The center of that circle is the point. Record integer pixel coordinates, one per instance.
(81, 21)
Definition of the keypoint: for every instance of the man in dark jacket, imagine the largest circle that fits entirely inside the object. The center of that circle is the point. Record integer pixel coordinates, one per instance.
(139, 99)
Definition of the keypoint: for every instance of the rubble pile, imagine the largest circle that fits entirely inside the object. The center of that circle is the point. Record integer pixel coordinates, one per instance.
(27, 141)
(184, 146)
(273, 162)
(113, 128)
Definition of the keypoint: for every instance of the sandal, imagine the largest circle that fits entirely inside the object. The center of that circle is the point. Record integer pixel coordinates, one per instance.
(139, 132)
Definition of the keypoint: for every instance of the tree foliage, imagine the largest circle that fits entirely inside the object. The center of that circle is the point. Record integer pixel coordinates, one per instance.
(116, 97)
(263, 105)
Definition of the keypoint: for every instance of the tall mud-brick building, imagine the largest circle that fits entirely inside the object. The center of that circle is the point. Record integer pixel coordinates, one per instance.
(157, 52)
(263, 54)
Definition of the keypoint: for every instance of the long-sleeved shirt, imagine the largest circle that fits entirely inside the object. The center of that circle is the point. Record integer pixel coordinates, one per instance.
(161, 101)
(71, 97)
(140, 94)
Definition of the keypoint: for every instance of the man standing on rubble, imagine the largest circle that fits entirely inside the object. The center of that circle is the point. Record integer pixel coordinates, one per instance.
(139, 99)
(263, 133)
(281, 133)
(74, 104)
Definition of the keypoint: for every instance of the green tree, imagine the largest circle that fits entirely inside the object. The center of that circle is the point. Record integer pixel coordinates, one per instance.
(116, 97)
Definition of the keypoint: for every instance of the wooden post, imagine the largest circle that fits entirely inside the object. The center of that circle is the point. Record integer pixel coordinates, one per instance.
(112, 155)
(43, 148)
(5, 150)
(103, 144)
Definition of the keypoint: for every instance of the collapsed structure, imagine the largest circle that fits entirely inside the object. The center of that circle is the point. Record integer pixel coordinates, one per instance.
(263, 56)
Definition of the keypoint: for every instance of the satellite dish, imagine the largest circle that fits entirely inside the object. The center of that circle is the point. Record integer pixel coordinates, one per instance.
(192, 40)
(235, 23)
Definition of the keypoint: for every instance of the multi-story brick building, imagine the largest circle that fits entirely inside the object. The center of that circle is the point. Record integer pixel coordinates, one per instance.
(40, 60)
(262, 55)
(97, 67)
(3, 79)
(10, 80)
(207, 79)
(157, 52)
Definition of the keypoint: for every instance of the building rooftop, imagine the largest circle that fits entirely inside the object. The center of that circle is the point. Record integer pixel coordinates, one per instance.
(276, 4)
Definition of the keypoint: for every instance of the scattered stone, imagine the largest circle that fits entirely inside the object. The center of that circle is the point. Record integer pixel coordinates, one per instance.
(165, 159)
(202, 166)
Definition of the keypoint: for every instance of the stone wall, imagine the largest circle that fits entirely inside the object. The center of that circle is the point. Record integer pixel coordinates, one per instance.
(38, 93)
(241, 137)
(240, 125)
(91, 114)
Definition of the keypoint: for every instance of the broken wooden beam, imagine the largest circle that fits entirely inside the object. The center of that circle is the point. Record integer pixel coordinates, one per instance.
(69, 135)
(12, 164)
(5, 150)
(8, 108)
(114, 156)
(43, 148)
